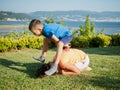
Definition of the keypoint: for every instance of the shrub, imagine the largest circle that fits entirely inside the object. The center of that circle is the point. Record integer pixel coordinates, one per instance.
(115, 40)
(13, 43)
(5, 44)
(100, 40)
(21, 43)
(29, 41)
(34, 42)
(80, 42)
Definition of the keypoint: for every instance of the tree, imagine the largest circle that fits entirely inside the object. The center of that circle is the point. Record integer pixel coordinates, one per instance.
(52, 20)
(87, 29)
(62, 22)
(49, 20)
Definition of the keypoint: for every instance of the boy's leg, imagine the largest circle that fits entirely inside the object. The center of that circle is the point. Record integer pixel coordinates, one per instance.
(53, 68)
(45, 46)
(44, 51)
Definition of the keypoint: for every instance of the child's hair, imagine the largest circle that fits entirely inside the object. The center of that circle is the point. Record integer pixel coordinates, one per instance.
(33, 23)
(41, 70)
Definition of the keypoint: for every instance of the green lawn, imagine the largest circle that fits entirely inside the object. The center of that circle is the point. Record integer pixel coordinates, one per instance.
(17, 71)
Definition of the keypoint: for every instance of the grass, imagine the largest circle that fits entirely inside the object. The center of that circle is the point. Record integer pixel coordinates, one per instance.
(17, 71)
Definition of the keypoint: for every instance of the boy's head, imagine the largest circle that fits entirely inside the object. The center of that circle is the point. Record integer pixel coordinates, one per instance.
(36, 27)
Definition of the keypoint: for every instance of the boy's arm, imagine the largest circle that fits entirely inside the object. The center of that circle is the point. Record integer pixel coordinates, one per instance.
(59, 48)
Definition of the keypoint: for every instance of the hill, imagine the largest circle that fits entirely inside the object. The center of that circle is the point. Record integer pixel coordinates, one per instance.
(77, 15)
(11, 16)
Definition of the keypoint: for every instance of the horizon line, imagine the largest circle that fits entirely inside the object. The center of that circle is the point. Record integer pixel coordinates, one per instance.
(56, 10)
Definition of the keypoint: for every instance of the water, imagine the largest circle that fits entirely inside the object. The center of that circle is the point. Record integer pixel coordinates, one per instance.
(14, 23)
(4, 31)
(110, 27)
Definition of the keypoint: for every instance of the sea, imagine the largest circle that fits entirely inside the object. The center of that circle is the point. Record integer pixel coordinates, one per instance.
(109, 27)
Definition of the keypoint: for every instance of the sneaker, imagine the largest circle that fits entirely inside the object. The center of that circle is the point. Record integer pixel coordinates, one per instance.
(52, 70)
(41, 58)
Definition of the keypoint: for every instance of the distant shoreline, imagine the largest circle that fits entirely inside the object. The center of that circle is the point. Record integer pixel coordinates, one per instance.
(74, 20)
(13, 26)
(110, 27)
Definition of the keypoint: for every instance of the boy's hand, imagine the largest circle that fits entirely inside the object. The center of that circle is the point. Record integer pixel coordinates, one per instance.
(41, 58)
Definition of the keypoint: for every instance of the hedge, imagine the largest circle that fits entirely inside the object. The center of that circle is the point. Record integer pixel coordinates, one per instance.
(115, 40)
(80, 42)
(29, 41)
(99, 40)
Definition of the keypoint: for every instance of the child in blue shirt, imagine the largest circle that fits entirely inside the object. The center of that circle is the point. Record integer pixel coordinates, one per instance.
(53, 33)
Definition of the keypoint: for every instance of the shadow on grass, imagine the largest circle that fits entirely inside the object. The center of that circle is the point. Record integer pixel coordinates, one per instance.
(104, 51)
(30, 67)
(105, 82)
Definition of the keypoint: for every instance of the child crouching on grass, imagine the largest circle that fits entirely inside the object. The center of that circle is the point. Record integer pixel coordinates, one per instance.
(54, 33)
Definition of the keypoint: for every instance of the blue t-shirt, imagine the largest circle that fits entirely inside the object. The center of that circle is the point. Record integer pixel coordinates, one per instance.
(55, 29)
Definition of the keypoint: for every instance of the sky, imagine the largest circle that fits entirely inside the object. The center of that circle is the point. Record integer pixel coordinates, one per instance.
(28, 6)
